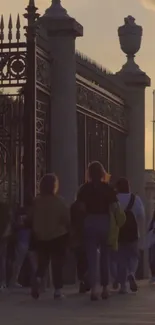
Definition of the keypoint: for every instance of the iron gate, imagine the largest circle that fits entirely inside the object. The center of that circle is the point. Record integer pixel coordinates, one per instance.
(102, 131)
(24, 110)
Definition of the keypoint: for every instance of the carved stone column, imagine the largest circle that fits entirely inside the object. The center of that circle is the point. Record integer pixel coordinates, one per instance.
(62, 31)
(136, 81)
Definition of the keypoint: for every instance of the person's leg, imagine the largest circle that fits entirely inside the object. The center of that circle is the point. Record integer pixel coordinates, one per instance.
(122, 267)
(58, 248)
(104, 268)
(3, 255)
(152, 263)
(82, 268)
(133, 258)
(91, 248)
(43, 254)
(20, 255)
(32, 255)
(91, 240)
(113, 265)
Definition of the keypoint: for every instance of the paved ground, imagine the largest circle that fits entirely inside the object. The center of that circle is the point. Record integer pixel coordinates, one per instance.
(17, 308)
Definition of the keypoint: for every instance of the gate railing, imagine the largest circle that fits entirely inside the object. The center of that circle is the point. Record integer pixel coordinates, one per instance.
(18, 99)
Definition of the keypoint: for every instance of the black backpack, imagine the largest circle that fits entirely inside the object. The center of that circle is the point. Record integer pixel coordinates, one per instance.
(129, 232)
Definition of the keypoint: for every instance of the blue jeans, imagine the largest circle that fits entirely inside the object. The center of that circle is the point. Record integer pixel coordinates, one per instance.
(127, 261)
(96, 237)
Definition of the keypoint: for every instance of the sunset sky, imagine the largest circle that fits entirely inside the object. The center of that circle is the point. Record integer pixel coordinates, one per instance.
(100, 19)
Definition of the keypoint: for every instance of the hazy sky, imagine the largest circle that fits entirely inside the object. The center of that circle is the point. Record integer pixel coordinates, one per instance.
(100, 19)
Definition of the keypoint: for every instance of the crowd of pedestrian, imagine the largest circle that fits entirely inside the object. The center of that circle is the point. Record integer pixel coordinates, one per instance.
(101, 228)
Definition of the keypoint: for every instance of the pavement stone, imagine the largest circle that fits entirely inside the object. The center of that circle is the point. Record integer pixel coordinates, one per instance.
(17, 308)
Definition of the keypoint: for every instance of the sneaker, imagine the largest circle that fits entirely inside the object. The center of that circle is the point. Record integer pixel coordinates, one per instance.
(132, 283)
(35, 290)
(58, 295)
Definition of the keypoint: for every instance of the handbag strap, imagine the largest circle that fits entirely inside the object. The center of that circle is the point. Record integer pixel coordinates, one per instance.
(131, 203)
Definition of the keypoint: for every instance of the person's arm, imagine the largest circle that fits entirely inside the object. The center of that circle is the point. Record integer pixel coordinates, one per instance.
(140, 217)
(139, 207)
(151, 224)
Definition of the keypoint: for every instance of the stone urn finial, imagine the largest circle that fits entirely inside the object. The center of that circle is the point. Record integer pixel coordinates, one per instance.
(130, 35)
(56, 10)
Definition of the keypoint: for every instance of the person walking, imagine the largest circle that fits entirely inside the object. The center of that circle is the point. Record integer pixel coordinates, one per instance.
(50, 226)
(5, 232)
(99, 199)
(129, 235)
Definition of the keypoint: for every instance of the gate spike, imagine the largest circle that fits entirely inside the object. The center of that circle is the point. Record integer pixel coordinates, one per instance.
(31, 11)
(10, 22)
(2, 22)
(18, 28)
(18, 22)
(10, 29)
(2, 29)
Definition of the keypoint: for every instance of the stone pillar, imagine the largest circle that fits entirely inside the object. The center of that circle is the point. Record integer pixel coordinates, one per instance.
(136, 81)
(62, 31)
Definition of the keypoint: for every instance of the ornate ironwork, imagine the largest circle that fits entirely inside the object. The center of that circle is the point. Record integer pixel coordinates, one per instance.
(94, 101)
(24, 117)
(92, 143)
(11, 147)
(12, 57)
(43, 70)
(117, 154)
(42, 138)
(97, 141)
(104, 132)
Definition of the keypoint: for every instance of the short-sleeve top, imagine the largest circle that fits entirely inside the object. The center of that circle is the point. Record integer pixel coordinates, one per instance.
(97, 197)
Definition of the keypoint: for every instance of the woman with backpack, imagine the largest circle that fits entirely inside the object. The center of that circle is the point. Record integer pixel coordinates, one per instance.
(100, 229)
(129, 235)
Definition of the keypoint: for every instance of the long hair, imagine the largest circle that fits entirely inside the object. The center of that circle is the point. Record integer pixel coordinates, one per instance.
(96, 172)
(49, 185)
(122, 185)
